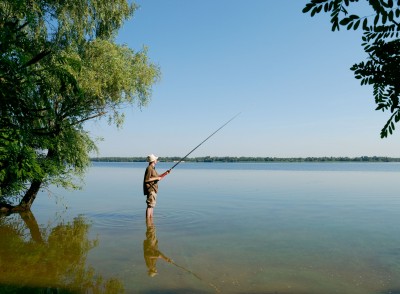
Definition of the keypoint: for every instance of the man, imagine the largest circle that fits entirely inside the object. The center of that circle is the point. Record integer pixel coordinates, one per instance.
(150, 184)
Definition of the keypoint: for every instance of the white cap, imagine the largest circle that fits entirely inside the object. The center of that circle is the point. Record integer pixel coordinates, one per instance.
(151, 158)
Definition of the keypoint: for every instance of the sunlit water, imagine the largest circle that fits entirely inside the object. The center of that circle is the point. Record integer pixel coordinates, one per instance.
(228, 228)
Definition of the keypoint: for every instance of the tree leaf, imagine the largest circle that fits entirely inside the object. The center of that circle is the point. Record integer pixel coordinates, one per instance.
(376, 19)
(357, 23)
(384, 18)
(365, 24)
(308, 7)
(350, 26)
(345, 21)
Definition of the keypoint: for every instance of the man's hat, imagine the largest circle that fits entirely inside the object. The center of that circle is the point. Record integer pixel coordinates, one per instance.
(151, 158)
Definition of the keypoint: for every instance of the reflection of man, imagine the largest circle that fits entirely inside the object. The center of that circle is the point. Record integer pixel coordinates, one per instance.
(150, 249)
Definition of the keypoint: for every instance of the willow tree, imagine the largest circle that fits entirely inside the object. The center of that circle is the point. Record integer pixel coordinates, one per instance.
(380, 40)
(60, 67)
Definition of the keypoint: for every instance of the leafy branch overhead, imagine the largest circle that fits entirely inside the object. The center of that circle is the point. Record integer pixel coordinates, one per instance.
(380, 40)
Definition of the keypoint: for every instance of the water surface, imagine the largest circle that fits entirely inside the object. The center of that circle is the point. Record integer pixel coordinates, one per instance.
(228, 228)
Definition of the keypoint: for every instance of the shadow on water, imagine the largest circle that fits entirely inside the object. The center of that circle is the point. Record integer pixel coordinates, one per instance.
(48, 260)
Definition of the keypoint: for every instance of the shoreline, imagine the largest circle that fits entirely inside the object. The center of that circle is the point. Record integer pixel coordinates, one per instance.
(252, 159)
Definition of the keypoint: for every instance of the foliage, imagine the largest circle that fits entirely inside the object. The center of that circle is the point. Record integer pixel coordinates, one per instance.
(380, 41)
(60, 67)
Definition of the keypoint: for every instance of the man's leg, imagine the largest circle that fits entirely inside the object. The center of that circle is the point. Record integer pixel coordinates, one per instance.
(151, 203)
(149, 212)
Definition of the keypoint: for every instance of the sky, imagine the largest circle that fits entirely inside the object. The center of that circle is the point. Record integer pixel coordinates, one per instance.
(286, 73)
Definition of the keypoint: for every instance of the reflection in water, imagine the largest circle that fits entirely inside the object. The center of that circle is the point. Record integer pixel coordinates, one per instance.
(150, 249)
(54, 258)
(152, 254)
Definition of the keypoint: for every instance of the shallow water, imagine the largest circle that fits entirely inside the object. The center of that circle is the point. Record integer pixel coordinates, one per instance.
(228, 228)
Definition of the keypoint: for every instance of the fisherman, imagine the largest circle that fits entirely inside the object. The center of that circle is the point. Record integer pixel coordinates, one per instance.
(151, 177)
(150, 184)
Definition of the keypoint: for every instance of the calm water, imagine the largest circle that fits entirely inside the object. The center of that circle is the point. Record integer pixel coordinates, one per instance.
(218, 228)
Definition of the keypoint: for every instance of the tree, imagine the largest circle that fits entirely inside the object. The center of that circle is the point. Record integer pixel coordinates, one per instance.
(380, 41)
(60, 67)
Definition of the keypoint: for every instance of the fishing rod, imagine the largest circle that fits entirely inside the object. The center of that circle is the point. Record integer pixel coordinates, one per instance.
(164, 174)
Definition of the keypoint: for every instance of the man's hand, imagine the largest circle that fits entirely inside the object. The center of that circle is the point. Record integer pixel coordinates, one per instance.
(164, 174)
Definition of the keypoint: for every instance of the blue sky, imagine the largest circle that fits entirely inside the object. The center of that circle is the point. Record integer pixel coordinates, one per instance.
(286, 72)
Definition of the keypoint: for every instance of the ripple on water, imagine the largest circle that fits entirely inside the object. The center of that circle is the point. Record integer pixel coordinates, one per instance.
(116, 219)
(126, 219)
(181, 219)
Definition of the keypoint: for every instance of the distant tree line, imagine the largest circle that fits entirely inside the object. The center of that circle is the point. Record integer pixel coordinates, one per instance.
(253, 159)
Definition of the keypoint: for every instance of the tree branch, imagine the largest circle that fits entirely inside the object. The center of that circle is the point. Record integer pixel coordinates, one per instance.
(37, 58)
(89, 118)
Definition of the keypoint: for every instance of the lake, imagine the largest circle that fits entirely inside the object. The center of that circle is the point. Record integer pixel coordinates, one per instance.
(218, 228)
